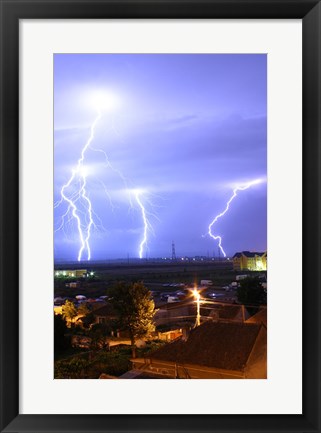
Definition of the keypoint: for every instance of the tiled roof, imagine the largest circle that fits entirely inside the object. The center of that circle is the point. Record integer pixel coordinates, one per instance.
(229, 311)
(237, 255)
(220, 345)
(105, 311)
(259, 317)
(249, 254)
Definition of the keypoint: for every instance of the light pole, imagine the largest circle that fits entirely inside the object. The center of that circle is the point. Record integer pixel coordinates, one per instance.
(197, 298)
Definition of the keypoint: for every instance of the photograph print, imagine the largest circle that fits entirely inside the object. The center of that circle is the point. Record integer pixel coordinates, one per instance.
(160, 216)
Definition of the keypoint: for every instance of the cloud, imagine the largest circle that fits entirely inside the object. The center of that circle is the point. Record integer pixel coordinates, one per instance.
(181, 122)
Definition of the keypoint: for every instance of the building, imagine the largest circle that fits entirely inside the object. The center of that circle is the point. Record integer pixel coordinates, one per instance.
(213, 350)
(250, 261)
(104, 315)
(180, 314)
(71, 273)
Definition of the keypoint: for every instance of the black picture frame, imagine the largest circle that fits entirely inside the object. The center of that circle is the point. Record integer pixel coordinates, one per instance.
(14, 10)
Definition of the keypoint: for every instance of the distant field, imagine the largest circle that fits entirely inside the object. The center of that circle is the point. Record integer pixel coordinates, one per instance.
(220, 273)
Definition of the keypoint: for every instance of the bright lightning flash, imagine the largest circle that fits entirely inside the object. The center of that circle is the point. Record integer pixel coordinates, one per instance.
(235, 191)
(74, 192)
(79, 200)
(147, 225)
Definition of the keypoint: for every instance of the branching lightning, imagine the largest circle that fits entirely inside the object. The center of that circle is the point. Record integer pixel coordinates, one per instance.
(79, 205)
(235, 191)
(78, 200)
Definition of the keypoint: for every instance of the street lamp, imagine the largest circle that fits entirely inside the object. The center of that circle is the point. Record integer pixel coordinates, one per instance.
(197, 298)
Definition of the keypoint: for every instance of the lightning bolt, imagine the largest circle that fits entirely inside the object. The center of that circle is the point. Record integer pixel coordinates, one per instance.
(146, 222)
(80, 209)
(78, 200)
(235, 191)
(79, 206)
(147, 215)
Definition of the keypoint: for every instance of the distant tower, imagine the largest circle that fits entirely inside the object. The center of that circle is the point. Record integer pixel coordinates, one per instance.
(173, 251)
(219, 254)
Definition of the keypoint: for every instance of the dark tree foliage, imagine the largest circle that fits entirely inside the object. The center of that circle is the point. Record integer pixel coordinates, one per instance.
(83, 310)
(60, 330)
(88, 320)
(251, 292)
(98, 333)
(135, 308)
(74, 368)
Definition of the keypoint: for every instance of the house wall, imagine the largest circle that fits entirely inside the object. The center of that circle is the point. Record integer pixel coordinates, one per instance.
(237, 264)
(72, 272)
(169, 335)
(164, 315)
(256, 263)
(186, 371)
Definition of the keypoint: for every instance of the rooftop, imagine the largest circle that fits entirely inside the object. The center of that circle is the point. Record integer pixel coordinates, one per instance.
(260, 317)
(249, 254)
(213, 344)
(104, 311)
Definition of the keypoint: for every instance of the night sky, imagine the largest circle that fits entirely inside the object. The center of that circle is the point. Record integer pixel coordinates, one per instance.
(178, 132)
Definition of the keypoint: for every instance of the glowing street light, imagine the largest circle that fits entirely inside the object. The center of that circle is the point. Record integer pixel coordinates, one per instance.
(197, 298)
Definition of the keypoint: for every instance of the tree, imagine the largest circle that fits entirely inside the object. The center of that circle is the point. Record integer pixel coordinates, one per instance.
(88, 320)
(69, 311)
(83, 310)
(98, 333)
(60, 329)
(251, 292)
(135, 308)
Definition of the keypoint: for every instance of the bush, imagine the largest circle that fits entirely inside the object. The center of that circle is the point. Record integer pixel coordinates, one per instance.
(71, 369)
(114, 363)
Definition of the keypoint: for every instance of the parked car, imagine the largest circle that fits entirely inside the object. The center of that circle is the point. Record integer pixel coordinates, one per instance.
(172, 299)
(215, 295)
